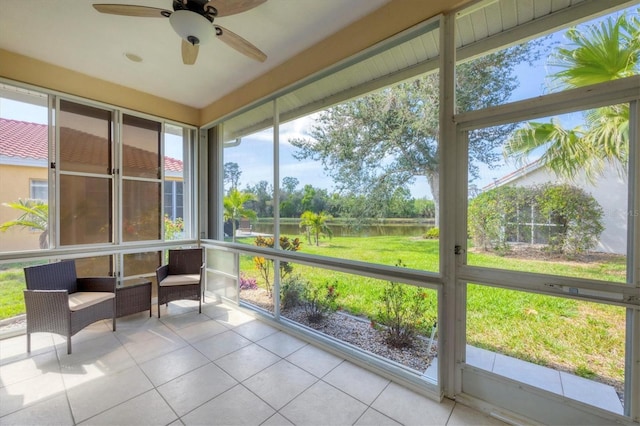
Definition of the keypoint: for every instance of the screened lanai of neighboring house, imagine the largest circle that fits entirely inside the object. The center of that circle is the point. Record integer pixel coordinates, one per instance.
(404, 112)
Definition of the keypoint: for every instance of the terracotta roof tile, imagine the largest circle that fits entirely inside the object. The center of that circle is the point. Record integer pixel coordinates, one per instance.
(23, 139)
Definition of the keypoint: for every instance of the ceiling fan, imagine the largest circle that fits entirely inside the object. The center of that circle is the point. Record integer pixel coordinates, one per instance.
(192, 20)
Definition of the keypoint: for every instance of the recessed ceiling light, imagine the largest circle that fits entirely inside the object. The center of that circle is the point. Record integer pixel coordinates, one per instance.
(133, 57)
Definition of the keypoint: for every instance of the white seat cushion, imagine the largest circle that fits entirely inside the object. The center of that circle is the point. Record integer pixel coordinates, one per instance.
(84, 299)
(186, 279)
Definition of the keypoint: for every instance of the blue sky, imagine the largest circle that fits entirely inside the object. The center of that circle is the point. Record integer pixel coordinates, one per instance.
(255, 155)
(14, 110)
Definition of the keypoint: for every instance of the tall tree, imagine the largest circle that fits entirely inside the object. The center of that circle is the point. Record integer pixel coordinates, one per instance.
(308, 194)
(232, 175)
(289, 200)
(234, 208)
(381, 141)
(289, 184)
(262, 202)
(596, 53)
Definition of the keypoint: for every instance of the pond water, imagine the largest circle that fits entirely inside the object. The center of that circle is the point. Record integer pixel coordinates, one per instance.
(342, 230)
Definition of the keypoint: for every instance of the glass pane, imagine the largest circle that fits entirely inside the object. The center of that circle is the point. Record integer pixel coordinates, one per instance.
(360, 181)
(39, 190)
(248, 185)
(85, 210)
(140, 210)
(221, 274)
(99, 266)
(176, 139)
(12, 285)
(393, 320)
(24, 170)
(174, 228)
(598, 50)
(556, 199)
(569, 347)
(222, 261)
(141, 147)
(222, 286)
(256, 281)
(136, 264)
(85, 138)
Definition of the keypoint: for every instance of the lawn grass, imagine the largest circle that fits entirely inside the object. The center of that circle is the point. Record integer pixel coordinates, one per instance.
(613, 269)
(585, 338)
(11, 297)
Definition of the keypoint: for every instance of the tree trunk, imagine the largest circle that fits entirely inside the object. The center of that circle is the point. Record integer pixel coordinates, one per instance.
(233, 229)
(44, 239)
(433, 179)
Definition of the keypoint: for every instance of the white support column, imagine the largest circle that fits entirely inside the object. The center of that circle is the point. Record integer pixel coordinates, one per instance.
(448, 174)
(53, 177)
(276, 207)
(632, 365)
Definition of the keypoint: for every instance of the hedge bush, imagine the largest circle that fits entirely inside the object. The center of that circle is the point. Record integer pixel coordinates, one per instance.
(573, 217)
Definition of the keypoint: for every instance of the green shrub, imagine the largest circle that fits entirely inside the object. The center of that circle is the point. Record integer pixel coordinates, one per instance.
(404, 311)
(173, 230)
(264, 266)
(566, 218)
(432, 234)
(489, 214)
(292, 290)
(319, 300)
(577, 214)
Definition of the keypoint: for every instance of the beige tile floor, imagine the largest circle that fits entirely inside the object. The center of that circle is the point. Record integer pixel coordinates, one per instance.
(219, 368)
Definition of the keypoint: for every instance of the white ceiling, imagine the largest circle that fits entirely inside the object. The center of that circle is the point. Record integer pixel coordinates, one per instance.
(72, 34)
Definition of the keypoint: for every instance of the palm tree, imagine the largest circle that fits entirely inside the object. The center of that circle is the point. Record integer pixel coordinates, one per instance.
(598, 53)
(316, 223)
(35, 215)
(234, 208)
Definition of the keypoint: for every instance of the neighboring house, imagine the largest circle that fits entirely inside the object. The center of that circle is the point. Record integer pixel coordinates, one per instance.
(24, 170)
(610, 191)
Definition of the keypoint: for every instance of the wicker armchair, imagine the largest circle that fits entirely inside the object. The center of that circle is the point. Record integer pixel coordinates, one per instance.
(59, 302)
(181, 278)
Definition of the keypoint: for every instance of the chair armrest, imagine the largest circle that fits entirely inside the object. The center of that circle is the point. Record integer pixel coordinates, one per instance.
(107, 284)
(46, 305)
(162, 272)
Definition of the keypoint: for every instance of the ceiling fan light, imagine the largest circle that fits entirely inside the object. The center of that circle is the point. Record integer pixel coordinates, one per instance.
(190, 24)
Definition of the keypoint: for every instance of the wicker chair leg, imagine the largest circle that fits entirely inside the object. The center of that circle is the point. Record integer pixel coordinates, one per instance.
(115, 310)
(28, 342)
(69, 345)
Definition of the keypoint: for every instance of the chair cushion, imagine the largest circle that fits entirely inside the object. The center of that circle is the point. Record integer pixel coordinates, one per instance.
(84, 299)
(184, 279)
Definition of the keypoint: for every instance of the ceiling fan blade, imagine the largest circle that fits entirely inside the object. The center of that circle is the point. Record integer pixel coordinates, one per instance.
(240, 44)
(231, 7)
(132, 10)
(189, 52)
